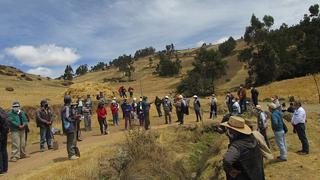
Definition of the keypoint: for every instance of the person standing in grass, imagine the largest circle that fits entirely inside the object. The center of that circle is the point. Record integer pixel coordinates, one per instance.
(254, 95)
(158, 103)
(242, 95)
(146, 109)
(262, 123)
(197, 107)
(127, 108)
(278, 128)
(298, 122)
(140, 113)
(130, 89)
(115, 115)
(213, 106)
(102, 118)
(179, 109)
(44, 118)
(18, 122)
(68, 117)
(228, 99)
(167, 108)
(87, 116)
(4, 130)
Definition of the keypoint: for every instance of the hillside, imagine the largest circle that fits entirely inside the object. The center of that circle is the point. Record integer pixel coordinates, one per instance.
(27, 88)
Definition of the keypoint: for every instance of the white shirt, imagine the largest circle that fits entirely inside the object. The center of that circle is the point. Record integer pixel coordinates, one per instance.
(299, 116)
(236, 104)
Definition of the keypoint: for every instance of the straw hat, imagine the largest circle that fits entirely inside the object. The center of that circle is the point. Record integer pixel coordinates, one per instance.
(238, 124)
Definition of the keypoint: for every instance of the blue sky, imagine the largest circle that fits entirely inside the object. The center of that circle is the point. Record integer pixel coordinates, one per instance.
(42, 36)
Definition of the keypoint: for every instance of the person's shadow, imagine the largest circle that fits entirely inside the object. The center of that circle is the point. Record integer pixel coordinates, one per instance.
(60, 159)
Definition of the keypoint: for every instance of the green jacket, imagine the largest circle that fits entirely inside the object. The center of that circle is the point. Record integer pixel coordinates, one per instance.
(15, 120)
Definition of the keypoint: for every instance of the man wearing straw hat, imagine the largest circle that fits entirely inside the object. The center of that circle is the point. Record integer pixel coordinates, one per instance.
(243, 160)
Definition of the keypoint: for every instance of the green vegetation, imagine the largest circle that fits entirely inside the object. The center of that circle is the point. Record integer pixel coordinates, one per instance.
(82, 70)
(208, 66)
(227, 47)
(283, 53)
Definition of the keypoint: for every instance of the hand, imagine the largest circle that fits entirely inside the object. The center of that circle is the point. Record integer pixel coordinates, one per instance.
(234, 173)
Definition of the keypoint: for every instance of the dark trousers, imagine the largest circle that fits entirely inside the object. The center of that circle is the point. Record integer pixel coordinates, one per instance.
(213, 111)
(180, 117)
(71, 141)
(141, 119)
(159, 110)
(198, 115)
(301, 131)
(146, 120)
(127, 121)
(243, 105)
(103, 125)
(167, 115)
(3, 155)
(255, 101)
(264, 133)
(45, 137)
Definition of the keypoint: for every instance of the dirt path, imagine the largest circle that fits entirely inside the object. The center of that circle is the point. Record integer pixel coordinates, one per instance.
(41, 160)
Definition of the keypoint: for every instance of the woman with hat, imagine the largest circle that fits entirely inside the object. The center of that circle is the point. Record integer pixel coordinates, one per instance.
(243, 160)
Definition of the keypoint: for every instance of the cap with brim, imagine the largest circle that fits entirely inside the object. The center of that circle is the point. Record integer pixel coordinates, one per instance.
(238, 124)
(16, 104)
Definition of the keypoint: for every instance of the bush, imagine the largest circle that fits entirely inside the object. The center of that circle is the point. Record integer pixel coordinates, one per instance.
(10, 89)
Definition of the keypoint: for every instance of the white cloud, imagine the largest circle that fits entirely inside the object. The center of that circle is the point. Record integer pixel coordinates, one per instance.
(44, 55)
(200, 43)
(40, 71)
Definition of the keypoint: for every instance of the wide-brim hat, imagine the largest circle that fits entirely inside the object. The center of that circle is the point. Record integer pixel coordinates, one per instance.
(166, 97)
(238, 124)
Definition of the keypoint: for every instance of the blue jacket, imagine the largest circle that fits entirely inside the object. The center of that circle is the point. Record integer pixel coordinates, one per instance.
(276, 121)
(126, 108)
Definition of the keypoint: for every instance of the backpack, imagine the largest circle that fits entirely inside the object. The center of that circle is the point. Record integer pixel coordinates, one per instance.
(185, 107)
(4, 122)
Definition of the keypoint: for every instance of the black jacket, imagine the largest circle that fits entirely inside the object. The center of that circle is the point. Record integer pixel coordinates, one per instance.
(245, 156)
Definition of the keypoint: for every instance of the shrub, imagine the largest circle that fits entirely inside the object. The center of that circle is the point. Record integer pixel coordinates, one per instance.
(9, 89)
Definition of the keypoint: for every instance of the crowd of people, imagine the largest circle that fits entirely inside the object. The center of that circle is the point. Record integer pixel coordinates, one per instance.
(243, 159)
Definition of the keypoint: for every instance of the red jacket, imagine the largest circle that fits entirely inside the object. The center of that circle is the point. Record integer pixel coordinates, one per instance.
(114, 108)
(102, 113)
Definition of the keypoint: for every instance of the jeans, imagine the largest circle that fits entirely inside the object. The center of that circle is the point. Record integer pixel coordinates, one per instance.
(300, 129)
(281, 142)
(198, 115)
(18, 144)
(3, 155)
(115, 119)
(243, 105)
(213, 111)
(255, 101)
(71, 140)
(45, 137)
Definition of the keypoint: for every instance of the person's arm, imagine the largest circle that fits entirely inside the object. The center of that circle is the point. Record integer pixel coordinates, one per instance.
(41, 119)
(274, 121)
(231, 156)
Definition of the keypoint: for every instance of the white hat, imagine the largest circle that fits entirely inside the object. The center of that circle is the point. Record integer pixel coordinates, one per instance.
(114, 98)
(195, 96)
(166, 97)
(134, 99)
(113, 101)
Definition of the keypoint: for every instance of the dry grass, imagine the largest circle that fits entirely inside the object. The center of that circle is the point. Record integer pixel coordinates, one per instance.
(302, 88)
